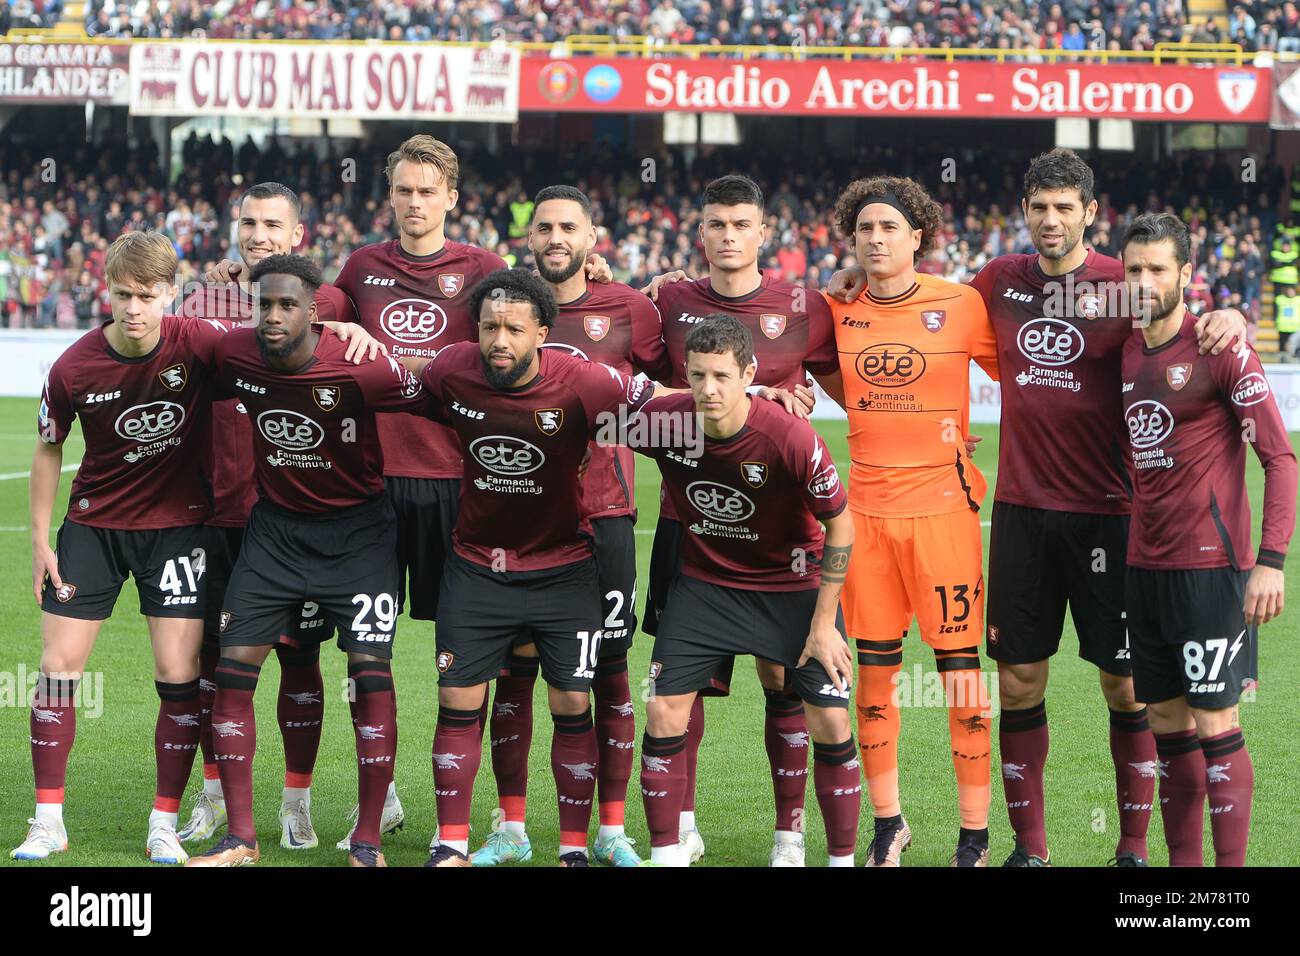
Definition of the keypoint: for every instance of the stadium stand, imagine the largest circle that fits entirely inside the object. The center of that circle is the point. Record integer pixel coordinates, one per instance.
(1072, 25)
(53, 237)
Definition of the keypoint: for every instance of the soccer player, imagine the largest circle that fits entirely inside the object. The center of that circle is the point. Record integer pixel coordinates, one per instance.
(619, 327)
(1060, 510)
(905, 349)
(757, 577)
(521, 559)
(323, 531)
(1196, 593)
(412, 293)
(268, 225)
(792, 333)
(139, 384)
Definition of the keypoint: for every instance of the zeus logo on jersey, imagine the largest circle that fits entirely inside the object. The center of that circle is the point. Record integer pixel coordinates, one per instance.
(289, 430)
(378, 280)
(150, 421)
(92, 399)
(719, 502)
(506, 455)
(467, 412)
(413, 320)
(1049, 342)
(1149, 423)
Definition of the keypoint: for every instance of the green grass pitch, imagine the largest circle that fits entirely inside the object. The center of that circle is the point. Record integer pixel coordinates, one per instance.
(111, 774)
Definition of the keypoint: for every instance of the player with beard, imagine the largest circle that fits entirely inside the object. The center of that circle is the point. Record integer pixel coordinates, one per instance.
(1195, 591)
(268, 225)
(792, 334)
(323, 531)
(1061, 505)
(619, 327)
(522, 558)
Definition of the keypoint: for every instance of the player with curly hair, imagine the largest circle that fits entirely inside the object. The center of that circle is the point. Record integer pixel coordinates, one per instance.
(905, 348)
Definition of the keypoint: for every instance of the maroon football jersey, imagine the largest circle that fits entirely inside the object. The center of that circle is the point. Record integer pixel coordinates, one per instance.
(231, 464)
(791, 327)
(1059, 354)
(315, 444)
(1189, 419)
(613, 324)
(417, 305)
(145, 421)
(752, 504)
(521, 503)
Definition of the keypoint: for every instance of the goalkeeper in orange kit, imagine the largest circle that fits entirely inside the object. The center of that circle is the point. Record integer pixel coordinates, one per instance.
(905, 349)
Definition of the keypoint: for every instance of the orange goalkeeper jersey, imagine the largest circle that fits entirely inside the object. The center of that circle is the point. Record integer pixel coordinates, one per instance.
(906, 368)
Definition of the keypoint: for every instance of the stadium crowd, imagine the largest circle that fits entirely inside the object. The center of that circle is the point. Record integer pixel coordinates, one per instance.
(53, 237)
(29, 14)
(1070, 24)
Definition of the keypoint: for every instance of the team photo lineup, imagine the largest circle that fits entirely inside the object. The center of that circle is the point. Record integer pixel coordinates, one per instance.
(421, 428)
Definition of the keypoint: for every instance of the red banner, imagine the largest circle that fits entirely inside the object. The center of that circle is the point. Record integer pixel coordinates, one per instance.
(975, 89)
(63, 72)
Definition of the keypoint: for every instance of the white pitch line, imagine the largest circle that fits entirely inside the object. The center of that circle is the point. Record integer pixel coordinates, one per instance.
(14, 475)
(13, 528)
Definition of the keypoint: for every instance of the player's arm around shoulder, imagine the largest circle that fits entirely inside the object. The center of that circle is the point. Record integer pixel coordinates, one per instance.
(386, 385)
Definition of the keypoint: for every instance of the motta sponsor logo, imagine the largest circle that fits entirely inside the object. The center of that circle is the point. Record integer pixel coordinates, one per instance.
(1250, 389)
(566, 347)
(413, 320)
(1049, 342)
(719, 502)
(149, 422)
(1149, 423)
(289, 430)
(890, 365)
(824, 483)
(506, 455)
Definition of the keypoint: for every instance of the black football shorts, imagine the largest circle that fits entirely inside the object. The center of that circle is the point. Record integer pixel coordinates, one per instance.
(707, 624)
(223, 546)
(426, 514)
(484, 613)
(169, 566)
(1189, 636)
(1041, 560)
(345, 562)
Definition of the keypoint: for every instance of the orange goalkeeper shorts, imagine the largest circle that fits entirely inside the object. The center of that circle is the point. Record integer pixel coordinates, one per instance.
(930, 567)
